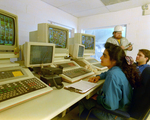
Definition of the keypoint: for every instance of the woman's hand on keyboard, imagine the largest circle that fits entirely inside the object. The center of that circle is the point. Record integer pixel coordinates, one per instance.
(94, 79)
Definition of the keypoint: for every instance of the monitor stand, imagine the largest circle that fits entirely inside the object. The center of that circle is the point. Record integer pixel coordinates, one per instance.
(7, 63)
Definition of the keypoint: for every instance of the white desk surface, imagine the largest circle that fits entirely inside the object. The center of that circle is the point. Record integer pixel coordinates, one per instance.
(44, 107)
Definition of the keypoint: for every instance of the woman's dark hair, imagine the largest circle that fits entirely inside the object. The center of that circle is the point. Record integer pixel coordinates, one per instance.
(117, 53)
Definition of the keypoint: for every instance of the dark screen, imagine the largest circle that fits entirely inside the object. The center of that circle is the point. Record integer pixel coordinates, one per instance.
(81, 51)
(41, 54)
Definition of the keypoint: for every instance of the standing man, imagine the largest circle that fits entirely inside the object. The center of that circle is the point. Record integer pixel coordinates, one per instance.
(142, 58)
(117, 39)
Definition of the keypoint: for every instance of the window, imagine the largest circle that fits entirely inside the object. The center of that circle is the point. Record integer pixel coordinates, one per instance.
(101, 36)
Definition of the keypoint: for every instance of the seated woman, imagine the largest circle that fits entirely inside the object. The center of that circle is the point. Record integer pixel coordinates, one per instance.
(117, 89)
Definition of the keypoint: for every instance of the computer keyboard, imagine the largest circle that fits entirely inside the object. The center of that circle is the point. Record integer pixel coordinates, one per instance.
(81, 63)
(98, 65)
(91, 60)
(7, 74)
(12, 93)
(15, 89)
(76, 72)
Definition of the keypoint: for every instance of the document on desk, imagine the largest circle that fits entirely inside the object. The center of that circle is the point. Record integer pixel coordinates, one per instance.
(81, 86)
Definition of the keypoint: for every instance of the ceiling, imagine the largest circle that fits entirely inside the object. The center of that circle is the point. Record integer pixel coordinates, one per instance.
(82, 8)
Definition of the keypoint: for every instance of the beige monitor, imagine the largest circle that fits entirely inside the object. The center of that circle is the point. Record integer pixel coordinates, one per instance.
(9, 43)
(49, 33)
(87, 40)
(76, 51)
(37, 54)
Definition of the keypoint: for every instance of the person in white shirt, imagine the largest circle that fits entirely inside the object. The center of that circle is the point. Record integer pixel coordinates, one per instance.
(117, 39)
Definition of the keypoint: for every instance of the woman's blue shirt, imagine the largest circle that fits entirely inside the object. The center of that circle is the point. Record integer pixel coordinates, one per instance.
(116, 91)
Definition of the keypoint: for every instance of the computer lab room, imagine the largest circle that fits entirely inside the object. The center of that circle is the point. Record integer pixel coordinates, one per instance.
(74, 59)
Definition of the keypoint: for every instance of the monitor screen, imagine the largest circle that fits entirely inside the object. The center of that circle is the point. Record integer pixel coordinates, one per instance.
(58, 36)
(37, 54)
(8, 35)
(41, 54)
(88, 41)
(81, 51)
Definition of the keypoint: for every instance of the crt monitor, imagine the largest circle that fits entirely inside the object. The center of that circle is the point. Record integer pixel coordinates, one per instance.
(53, 34)
(78, 51)
(37, 54)
(9, 45)
(87, 40)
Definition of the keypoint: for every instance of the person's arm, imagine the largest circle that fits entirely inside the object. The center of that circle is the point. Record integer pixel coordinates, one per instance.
(103, 75)
(98, 77)
(122, 47)
(126, 43)
(94, 79)
(130, 48)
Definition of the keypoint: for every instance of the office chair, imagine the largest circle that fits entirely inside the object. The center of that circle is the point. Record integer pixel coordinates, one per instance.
(140, 105)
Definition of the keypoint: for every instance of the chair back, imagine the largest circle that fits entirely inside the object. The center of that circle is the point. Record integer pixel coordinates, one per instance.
(141, 97)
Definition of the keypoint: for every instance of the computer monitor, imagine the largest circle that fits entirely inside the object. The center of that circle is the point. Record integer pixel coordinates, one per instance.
(49, 33)
(76, 51)
(37, 54)
(87, 40)
(9, 44)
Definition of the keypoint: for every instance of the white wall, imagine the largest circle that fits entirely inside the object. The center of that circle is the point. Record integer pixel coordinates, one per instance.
(32, 12)
(138, 26)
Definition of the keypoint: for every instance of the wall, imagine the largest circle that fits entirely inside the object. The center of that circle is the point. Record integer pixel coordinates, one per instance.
(32, 12)
(138, 26)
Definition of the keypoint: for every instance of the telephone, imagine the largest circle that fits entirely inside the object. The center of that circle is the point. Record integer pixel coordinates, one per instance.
(50, 76)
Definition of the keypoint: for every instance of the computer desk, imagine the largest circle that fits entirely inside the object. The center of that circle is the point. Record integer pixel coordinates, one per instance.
(47, 106)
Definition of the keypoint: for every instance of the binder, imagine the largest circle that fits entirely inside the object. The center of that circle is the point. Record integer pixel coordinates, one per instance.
(128, 45)
(81, 86)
